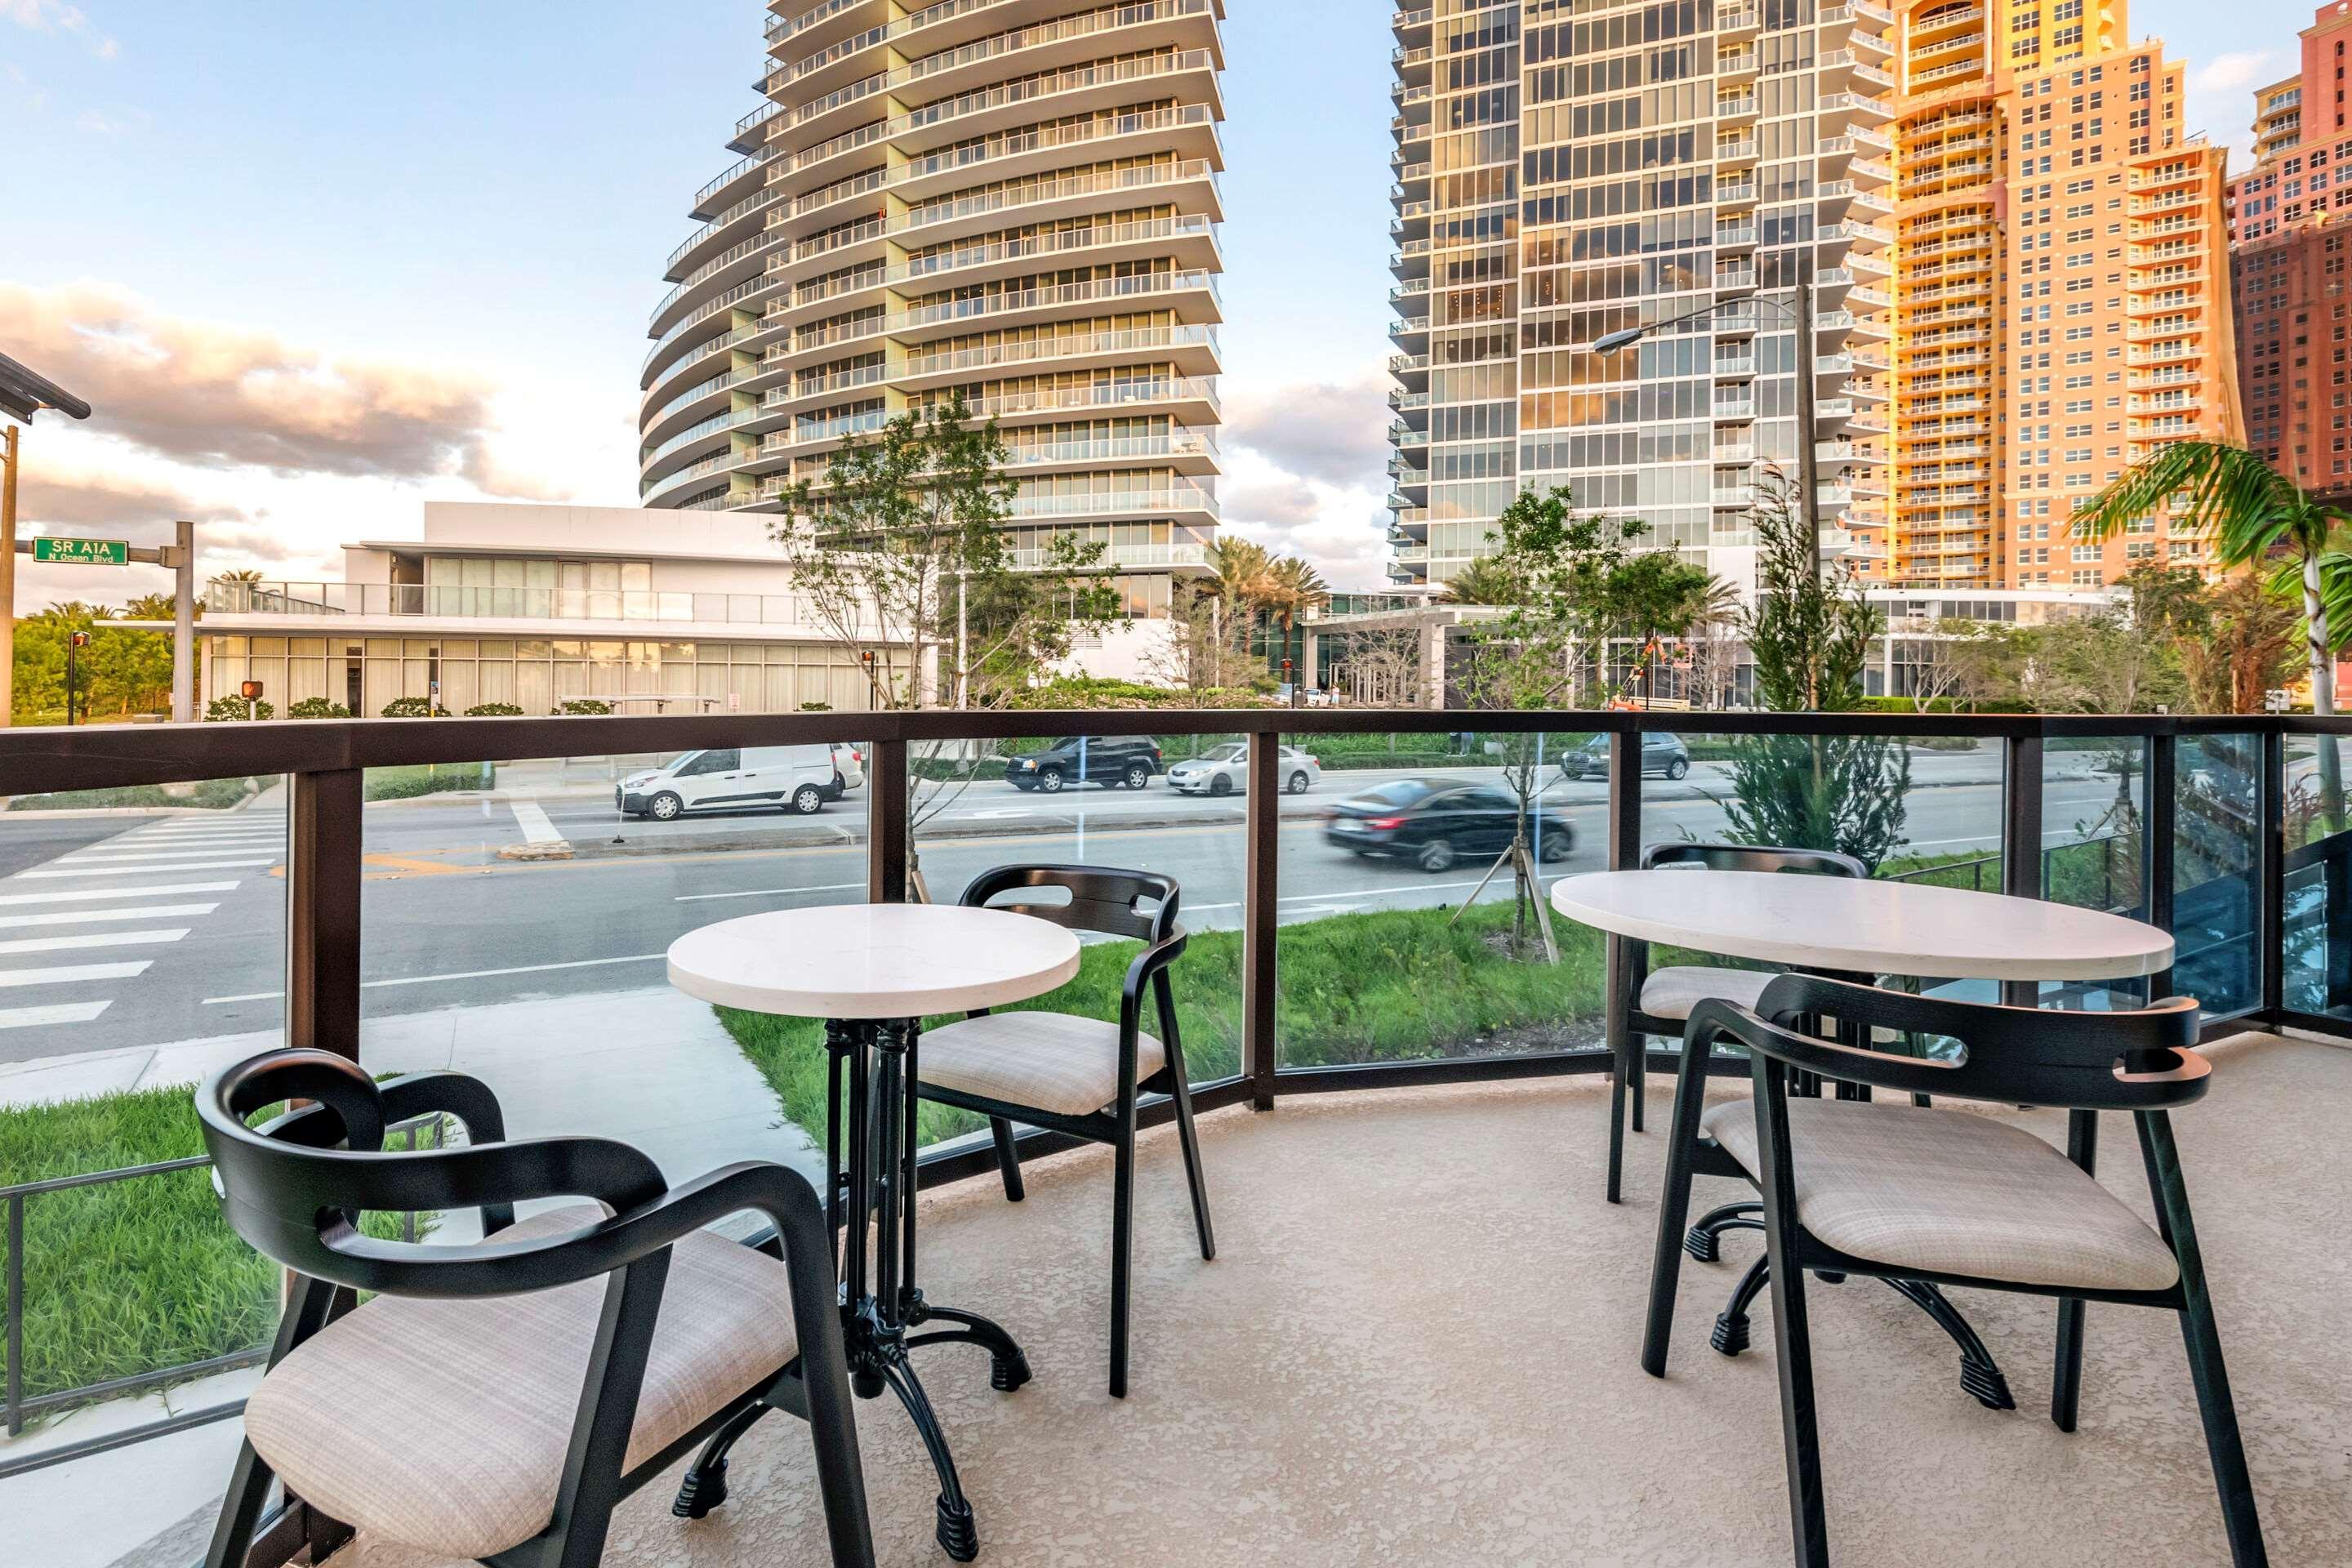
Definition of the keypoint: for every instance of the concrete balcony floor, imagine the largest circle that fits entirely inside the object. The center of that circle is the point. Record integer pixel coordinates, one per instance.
(1417, 1346)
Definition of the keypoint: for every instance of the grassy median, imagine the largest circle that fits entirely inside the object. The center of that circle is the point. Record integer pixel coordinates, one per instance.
(1384, 985)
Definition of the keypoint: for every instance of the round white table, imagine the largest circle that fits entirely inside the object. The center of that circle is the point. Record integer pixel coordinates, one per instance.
(1856, 928)
(1865, 927)
(873, 972)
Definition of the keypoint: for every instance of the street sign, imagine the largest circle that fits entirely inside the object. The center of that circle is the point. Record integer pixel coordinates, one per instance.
(83, 552)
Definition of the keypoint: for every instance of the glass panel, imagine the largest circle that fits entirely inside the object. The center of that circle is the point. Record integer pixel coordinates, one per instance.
(1393, 835)
(1102, 802)
(2316, 930)
(2094, 803)
(2217, 871)
(142, 945)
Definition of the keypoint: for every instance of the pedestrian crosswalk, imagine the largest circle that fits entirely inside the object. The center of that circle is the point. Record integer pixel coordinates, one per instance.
(96, 918)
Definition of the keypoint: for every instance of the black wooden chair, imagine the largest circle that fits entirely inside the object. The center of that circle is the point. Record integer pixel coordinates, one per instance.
(1080, 1076)
(495, 1401)
(1659, 1002)
(1919, 1194)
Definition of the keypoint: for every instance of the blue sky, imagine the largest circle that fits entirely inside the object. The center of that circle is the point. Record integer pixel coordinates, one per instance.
(457, 212)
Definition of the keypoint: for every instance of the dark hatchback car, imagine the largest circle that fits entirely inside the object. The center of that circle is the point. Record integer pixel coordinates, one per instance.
(1433, 823)
(1660, 754)
(1123, 760)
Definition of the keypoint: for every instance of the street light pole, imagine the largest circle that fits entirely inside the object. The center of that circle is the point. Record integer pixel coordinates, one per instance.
(1808, 414)
(75, 643)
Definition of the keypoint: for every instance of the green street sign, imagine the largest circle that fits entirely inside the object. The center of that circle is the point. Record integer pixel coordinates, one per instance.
(83, 552)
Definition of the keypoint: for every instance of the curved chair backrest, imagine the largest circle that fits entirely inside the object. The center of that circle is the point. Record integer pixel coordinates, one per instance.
(1753, 857)
(295, 1187)
(1102, 899)
(2137, 1061)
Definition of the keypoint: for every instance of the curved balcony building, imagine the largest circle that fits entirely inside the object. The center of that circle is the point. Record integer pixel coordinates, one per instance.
(1013, 199)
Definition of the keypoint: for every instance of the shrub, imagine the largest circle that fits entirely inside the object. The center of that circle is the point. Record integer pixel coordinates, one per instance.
(414, 707)
(817, 707)
(494, 710)
(318, 708)
(407, 782)
(583, 706)
(234, 709)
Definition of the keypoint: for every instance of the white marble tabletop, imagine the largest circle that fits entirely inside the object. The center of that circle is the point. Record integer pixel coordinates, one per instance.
(873, 961)
(1873, 927)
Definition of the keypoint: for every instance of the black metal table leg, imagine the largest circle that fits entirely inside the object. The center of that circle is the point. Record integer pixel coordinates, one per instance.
(880, 1299)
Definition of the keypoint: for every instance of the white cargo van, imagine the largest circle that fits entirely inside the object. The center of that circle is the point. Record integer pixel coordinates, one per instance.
(797, 778)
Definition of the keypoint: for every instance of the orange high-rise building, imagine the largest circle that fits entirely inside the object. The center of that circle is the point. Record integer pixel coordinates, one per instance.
(2060, 303)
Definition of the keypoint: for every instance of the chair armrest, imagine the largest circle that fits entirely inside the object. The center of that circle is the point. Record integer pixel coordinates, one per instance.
(1152, 961)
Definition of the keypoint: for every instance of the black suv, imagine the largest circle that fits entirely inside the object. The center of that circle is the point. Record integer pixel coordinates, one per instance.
(1125, 759)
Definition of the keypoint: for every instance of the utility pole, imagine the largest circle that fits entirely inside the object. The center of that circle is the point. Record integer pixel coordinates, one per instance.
(75, 643)
(183, 622)
(7, 574)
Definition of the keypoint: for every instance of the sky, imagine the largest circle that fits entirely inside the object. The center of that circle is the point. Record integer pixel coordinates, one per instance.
(317, 262)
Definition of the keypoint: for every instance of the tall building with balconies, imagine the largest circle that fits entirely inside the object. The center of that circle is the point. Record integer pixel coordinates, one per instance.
(1603, 166)
(2290, 228)
(1013, 199)
(2058, 310)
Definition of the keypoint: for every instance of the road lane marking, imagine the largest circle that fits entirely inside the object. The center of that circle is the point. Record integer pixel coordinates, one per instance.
(531, 817)
(765, 892)
(91, 939)
(78, 917)
(461, 974)
(66, 973)
(54, 1013)
(160, 891)
(156, 857)
(143, 870)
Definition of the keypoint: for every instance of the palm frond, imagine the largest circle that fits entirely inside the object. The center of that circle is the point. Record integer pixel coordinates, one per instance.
(2249, 505)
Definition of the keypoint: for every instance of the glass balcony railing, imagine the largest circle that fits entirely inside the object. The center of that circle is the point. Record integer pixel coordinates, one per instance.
(420, 601)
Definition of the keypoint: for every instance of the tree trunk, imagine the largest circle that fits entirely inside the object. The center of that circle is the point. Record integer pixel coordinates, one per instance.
(2323, 693)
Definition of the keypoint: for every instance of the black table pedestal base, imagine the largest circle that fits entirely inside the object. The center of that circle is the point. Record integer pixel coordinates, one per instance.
(881, 1305)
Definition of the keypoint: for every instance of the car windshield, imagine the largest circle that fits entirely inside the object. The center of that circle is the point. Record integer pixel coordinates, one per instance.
(1226, 753)
(1403, 792)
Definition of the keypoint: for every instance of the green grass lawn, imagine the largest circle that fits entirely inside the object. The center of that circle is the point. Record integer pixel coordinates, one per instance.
(1385, 985)
(135, 1276)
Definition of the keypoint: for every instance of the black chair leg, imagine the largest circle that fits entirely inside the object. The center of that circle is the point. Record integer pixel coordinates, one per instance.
(1193, 1178)
(704, 1486)
(1008, 1158)
(1702, 1241)
(1673, 1212)
(2240, 1518)
(1122, 1238)
(2066, 1380)
(1799, 1426)
(248, 1488)
(1731, 1325)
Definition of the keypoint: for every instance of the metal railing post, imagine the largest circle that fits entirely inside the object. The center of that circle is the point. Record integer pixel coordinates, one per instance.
(2020, 841)
(1627, 1052)
(2270, 908)
(2159, 823)
(324, 832)
(886, 808)
(16, 1313)
(1261, 894)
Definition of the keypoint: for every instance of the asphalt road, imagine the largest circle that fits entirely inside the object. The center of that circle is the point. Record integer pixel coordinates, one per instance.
(121, 932)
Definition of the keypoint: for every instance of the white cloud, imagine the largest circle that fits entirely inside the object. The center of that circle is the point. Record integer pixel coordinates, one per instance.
(56, 17)
(2221, 97)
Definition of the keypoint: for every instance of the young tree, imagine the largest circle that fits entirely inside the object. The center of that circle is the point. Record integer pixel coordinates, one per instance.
(1656, 595)
(1486, 580)
(1385, 669)
(2248, 648)
(901, 549)
(1810, 638)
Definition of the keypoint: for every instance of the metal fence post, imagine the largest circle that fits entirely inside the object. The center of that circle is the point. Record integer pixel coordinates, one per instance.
(886, 808)
(16, 1313)
(2270, 908)
(324, 832)
(2020, 841)
(1628, 1052)
(1261, 893)
(2159, 823)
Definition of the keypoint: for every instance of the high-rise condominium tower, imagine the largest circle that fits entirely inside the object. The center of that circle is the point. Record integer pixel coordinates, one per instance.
(1012, 198)
(2010, 237)
(1596, 166)
(2059, 306)
(2290, 227)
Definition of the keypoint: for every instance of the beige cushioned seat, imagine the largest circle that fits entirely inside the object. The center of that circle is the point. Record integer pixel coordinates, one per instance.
(1953, 1192)
(1673, 992)
(1052, 1061)
(443, 1425)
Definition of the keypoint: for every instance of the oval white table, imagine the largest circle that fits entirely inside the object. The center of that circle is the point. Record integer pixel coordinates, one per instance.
(1849, 926)
(872, 972)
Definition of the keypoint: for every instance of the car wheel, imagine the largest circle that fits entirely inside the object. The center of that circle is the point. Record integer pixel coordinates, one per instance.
(1555, 848)
(1050, 780)
(1298, 784)
(1138, 776)
(1220, 785)
(665, 806)
(1437, 855)
(1677, 768)
(808, 800)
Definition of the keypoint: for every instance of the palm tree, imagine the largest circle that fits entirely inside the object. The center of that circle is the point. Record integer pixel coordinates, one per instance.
(2253, 511)
(1484, 581)
(240, 574)
(1292, 588)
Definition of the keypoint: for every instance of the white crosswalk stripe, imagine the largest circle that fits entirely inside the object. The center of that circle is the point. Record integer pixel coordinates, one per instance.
(105, 895)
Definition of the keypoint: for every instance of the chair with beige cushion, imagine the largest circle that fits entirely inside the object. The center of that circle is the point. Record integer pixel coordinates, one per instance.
(1661, 1000)
(1073, 1075)
(1937, 1196)
(495, 1401)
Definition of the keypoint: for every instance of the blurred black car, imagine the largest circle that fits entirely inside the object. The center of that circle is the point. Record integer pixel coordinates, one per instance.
(1433, 823)
(1661, 753)
(1125, 760)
